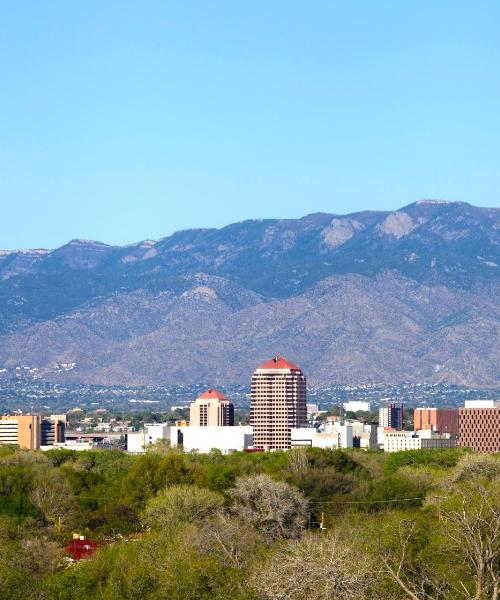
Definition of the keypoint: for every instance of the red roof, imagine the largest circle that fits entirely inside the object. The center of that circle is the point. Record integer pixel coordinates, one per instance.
(279, 362)
(81, 548)
(212, 395)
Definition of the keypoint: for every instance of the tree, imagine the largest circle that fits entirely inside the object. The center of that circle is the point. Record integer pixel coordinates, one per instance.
(178, 504)
(471, 524)
(231, 541)
(275, 508)
(53, 496)
(317, 567)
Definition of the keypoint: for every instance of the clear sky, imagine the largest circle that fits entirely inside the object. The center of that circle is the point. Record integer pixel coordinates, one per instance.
(121, 121)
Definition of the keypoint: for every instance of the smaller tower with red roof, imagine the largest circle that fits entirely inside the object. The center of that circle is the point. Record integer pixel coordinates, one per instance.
(211, 407)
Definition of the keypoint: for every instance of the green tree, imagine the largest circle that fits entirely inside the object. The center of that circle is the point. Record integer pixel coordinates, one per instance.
(178, 504)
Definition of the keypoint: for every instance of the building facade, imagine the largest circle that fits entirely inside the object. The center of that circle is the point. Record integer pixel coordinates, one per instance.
(441, 420)
(192, 438)
(278, 403)
(395, 441)
(479, 425)
(391, 415)
(32, 431)
(211, 409)
(20, 430)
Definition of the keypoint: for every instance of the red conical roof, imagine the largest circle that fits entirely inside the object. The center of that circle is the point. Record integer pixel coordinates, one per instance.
(279, 362)
(212, 395)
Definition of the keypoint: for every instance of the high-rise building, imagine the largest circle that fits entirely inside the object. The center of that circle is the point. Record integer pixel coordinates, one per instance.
(391, 415)
(440, 420)
(278, 403)
(479, 425)
(211, 408)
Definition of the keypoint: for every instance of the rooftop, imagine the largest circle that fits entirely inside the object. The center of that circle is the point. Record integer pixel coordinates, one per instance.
(279, 362)
(212, 394)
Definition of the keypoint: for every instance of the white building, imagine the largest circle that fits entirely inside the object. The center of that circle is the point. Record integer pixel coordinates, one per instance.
(192, 438)
(355, 405)
(138, 441)
(366, 434)
(394, 441)
(206, 438)
(70, 445)
(482, 404)
(337, 436)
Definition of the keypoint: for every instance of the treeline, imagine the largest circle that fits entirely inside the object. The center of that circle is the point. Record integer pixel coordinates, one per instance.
(305, 524)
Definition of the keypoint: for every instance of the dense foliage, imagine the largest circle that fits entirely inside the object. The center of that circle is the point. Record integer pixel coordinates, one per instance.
(298, 525)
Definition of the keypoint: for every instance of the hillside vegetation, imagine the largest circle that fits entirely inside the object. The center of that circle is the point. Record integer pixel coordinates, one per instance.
(298, 525)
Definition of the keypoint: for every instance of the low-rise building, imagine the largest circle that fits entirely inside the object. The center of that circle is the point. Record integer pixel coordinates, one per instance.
(192, 438)
(32, 431)
(339, 435)
(395, 441)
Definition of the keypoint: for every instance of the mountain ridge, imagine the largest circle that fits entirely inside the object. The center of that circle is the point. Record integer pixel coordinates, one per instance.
(423, 277)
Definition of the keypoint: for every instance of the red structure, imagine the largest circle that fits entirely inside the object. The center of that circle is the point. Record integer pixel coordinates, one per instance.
(80, 547)
(441, 420)
(212, 395)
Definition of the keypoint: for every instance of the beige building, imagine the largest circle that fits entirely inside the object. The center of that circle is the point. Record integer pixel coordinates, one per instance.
(32, 431)
(21, 430)
(211, 409)
(278, 403)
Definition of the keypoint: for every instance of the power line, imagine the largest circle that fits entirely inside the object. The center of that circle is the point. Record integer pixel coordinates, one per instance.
(366, 501)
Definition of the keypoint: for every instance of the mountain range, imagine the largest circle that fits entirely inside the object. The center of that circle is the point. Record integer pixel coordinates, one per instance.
(368, 297)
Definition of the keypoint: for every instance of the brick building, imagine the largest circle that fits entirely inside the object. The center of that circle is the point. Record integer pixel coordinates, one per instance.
(479, 425)
(440, 420)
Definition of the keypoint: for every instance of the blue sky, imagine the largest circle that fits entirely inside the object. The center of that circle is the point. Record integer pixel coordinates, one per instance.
(121, 121)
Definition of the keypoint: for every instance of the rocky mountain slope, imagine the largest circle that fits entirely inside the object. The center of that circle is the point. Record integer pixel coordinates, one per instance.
(410, 295)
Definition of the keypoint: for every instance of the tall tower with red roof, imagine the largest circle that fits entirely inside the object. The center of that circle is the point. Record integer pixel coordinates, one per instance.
(211, 408)
(278, 403)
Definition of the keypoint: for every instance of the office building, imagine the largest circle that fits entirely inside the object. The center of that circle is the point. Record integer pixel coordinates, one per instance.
(20, 430)
(479, 425)
(32, 431)
(441, 420)
(52, 430)
(391, 415)
(278, 403)
(211, 409)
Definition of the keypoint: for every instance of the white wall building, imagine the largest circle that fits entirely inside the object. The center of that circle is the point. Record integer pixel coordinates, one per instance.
(192, 438)
(394, 441)
(482, 404)
(204, 439)
(337, 436)
(355, 405)
(226, 439)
